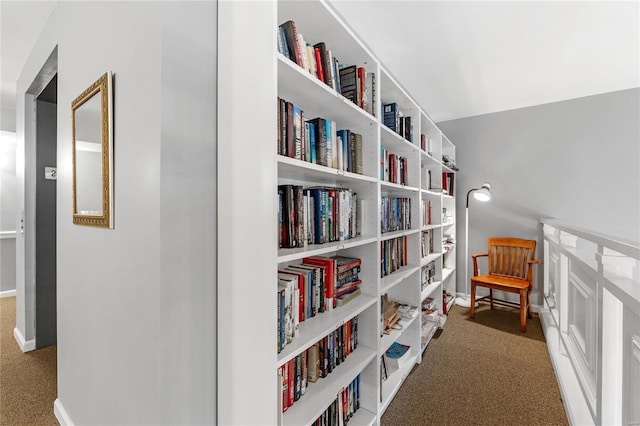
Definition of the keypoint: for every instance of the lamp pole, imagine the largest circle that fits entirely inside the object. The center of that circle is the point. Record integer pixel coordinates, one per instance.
(483, 194)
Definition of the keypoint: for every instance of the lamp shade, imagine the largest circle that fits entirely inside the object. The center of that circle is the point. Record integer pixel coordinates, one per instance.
(483, 194)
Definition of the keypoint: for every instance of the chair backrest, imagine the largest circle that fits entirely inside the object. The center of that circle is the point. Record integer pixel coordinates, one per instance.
(508, 257)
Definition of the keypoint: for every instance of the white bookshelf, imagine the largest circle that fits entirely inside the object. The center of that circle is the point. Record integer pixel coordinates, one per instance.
(250, 307)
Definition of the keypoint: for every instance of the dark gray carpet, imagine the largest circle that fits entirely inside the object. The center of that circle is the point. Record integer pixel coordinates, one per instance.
(28, 381)
(481, 372)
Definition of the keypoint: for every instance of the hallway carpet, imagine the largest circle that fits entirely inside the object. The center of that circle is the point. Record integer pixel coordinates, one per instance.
(28, 384)
(481, 372)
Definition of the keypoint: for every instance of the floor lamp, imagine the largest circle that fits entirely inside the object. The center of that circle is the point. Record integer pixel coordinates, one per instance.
(480, 194)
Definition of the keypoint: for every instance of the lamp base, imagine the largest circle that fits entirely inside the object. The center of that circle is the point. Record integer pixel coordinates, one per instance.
(465, 302)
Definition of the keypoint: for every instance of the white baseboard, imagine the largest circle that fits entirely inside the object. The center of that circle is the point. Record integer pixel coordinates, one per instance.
(25, 345)
(575, 404)
(61, 414)
(7, 293)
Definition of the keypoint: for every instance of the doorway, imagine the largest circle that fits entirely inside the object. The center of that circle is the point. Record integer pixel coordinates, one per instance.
(45, 215)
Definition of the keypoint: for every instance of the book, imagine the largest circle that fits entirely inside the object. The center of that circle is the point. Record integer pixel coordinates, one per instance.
(344, 299)
(313, 363)
(330, 273)
(291, 36)
(319, 70)
(349, 83)
(325, 62)
(282, 43)
(370, 93)
(390, 116)
(397, 355)
(297, 133)
(361, 77)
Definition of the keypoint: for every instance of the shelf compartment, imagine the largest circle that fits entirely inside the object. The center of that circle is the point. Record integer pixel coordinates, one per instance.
(290, 168)
(395, 378)
(315, 328)
(319, 395)
(446, 273)
(395, 234)
(388, 339)
(428, 290)
(399, 275)
(317, 99)
(396, 143)
(395, 188)
(430, 258)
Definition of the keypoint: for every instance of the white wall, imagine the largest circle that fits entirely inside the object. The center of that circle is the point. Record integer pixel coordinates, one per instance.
(576, 160)
(136, 304)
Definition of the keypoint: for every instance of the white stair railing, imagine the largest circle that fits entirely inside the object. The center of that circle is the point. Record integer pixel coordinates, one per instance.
(591, 320)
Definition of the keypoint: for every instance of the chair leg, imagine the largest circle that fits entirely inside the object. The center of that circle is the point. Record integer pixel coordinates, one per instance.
(523, 311)
(529, 314)
(472, 299)
(491, 297)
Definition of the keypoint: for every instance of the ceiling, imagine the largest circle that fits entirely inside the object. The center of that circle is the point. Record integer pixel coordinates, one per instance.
(466, 58)
(457, 58)
(21, 23)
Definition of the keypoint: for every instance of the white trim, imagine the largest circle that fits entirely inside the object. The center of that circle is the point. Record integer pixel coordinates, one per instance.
(25, 345)
(6, 235)
(575, 404)
(61, 414)
(8, 293)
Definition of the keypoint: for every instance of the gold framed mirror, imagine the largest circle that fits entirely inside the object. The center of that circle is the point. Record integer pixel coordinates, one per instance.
(92, 152)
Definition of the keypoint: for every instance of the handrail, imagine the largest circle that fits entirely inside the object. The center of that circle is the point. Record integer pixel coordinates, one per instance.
(626, 247)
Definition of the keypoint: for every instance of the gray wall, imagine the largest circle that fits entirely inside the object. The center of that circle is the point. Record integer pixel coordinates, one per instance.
(8, 201)
(45, 288)
(136, 304)
(576, 161)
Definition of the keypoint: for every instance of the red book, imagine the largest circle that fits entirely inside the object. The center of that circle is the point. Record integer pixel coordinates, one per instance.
(361, 80)
(284, 372)
(292, 381)
(329, 279)
(319, 64)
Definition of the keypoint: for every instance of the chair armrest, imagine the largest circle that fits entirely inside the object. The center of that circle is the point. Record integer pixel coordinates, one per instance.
(475, 262)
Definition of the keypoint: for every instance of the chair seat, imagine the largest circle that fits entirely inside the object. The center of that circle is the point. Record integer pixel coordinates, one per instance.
(503, 283)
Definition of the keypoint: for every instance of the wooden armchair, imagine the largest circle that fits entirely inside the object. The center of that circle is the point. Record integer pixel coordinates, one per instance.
(510, 262)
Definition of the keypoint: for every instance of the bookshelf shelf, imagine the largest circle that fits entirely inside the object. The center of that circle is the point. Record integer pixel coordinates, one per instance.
(428, 290)
(394, 188)
(290, 254)
(290, 168)
(396, 234)
(403, 273)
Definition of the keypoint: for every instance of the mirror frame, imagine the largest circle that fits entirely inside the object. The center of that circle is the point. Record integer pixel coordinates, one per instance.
(103, 88)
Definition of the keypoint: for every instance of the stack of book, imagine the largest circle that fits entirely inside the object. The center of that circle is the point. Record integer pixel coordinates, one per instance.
(397, 355)
(317, 362)
(394, 119)
(394, 255)
(395, 214)
(351, 81)
(317, 141)
(393, 167)
(317, 215)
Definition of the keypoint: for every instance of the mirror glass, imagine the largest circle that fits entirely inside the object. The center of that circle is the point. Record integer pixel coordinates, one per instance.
(92, 153)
